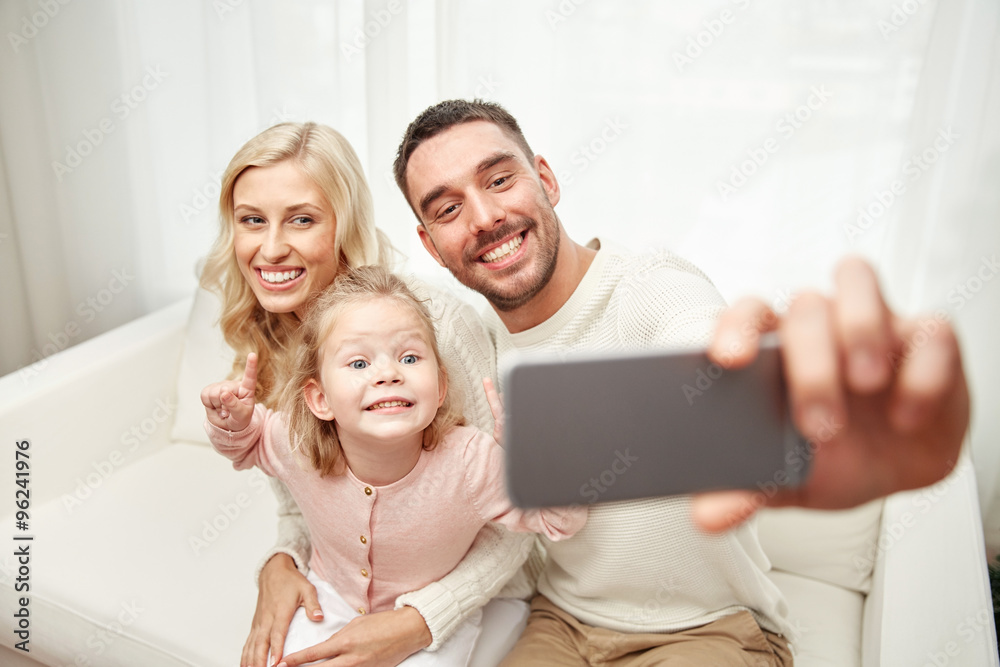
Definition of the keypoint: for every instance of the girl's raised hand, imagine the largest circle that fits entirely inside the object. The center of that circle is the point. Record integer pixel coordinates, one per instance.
(496, 407)
(230, 404)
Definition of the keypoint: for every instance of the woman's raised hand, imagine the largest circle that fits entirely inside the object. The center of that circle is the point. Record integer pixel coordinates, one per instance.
(230, 404)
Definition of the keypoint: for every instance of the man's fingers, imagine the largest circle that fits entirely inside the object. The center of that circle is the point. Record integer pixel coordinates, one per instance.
(737, 333)
(863, 326)
(812, 366)
(722, 510)
(928, 368)
(249, 383)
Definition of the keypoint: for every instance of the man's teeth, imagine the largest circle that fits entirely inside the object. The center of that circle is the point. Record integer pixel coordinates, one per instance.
(389, 404)
(280, 276)
(503, 251)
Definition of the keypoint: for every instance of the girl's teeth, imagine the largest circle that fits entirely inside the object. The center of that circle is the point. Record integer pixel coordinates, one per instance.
(389, 404)
(503, 251)
(280, 276)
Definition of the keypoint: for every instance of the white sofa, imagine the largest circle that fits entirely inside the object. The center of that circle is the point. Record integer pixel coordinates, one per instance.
(145, 540)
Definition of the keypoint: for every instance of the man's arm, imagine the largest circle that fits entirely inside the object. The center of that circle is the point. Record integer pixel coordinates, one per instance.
(883, 399)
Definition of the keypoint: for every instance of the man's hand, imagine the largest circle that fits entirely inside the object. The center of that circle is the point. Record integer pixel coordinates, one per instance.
(283, 589)
(230, 404)
(883, 400)
(384, 639)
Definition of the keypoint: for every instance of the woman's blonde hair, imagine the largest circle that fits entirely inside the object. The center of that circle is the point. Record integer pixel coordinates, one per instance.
(316, 437)
(326, 157)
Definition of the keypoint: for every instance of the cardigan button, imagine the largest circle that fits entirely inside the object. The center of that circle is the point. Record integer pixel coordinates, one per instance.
(368, 490)
(361, 610)
(364, 540)
(364, 572)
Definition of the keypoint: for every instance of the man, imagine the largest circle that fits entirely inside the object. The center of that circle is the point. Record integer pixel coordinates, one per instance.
(639, 581)
(485, 203)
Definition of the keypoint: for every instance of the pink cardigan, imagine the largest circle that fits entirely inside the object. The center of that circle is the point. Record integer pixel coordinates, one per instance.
(374, 543)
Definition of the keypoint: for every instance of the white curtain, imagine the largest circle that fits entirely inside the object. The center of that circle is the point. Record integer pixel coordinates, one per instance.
(763, 139)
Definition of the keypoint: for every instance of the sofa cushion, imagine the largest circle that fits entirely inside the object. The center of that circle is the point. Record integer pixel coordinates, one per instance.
(827, 618)
(205, 358)
(156, 569)
(833, 547)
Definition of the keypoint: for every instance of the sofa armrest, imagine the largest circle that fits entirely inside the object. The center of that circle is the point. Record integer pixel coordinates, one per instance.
(930, 601)
(92, 408)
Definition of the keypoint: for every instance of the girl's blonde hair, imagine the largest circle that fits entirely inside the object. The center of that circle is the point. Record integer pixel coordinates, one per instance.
(326, 157)
(316, 437)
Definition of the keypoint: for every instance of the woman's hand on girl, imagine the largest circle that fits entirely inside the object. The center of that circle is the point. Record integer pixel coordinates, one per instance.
(230, 404)
(383, 639)
(283, 589)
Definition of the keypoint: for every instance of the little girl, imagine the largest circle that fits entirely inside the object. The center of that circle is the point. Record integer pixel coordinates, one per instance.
(392, 485)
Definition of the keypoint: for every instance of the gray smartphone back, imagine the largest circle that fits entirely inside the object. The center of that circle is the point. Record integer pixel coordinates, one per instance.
(623, 427)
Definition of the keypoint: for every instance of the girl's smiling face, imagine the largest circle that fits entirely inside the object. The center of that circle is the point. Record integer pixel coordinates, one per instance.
(379, 379)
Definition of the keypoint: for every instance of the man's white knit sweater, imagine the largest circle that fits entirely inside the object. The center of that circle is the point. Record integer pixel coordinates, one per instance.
(642, 566)
(637, 566)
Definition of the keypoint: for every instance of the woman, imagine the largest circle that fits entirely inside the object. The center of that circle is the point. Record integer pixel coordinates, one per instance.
(295, 211)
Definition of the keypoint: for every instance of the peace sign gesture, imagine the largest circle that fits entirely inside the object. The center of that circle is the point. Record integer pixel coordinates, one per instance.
(230, 404)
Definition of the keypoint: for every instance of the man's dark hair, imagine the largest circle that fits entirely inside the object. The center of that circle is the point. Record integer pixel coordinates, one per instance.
(447, 114)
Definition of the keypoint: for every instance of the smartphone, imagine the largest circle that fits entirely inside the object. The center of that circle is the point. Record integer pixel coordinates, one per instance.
(600, 428)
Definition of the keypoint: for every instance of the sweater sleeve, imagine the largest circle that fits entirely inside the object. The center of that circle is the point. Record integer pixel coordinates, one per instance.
(485, 474)
(494, 557)
(293, 534)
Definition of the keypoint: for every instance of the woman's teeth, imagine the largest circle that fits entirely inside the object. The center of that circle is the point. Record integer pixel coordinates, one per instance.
(280, 276)
(504, 251)
(389, 404)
